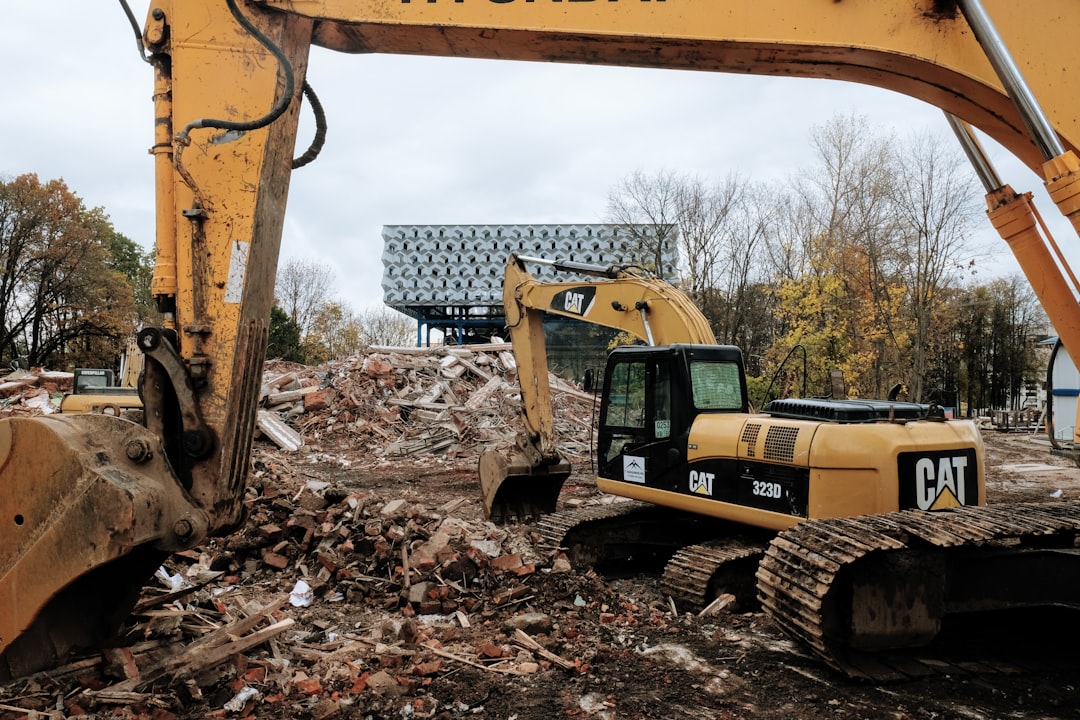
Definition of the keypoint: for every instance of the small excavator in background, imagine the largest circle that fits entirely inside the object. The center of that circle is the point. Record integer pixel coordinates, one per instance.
(86, 524)
(95, 390)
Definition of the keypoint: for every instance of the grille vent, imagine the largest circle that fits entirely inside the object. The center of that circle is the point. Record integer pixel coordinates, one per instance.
(749, 436)
(780, 443)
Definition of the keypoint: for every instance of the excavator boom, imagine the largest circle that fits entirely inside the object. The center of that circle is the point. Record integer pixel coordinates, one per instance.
(526, 483)
(112, 497)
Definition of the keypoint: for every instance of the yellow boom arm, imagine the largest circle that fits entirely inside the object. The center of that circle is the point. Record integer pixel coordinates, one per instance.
(228, 76)
(527, 483)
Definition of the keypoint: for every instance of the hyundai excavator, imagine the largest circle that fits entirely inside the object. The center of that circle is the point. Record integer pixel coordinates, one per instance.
(84, 525)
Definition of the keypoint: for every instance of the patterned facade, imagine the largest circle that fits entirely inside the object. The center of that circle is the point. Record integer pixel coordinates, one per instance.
(450, 276)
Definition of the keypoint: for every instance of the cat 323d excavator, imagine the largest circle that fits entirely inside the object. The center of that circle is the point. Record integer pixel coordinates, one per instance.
(714, 480)
(84, 524)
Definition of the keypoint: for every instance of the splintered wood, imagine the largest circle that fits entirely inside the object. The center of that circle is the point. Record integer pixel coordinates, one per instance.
(397, 402)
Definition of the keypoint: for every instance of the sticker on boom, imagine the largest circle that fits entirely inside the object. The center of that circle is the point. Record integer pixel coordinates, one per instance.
(938, 480)
(575, 301)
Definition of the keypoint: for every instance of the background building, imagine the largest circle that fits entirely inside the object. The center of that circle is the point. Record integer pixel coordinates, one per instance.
(449, 277)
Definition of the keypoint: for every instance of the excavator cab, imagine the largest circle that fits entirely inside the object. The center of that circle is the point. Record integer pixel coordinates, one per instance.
(650, 398)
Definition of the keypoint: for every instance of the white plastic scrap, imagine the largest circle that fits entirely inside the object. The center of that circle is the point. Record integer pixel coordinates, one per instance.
(175, 582)
(301, 595)
(240, 700)
(488, 547)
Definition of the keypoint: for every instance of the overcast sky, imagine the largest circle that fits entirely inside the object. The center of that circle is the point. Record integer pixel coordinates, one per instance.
(425, 140)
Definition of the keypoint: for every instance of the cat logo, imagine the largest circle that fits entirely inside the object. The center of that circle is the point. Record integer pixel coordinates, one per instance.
(938, 480)
(701, 482)
(574, 301)
(940, 485)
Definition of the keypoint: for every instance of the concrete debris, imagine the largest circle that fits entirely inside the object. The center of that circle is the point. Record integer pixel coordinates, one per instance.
(273, 427)
(33, 392)
(419, 601)
(454, 401)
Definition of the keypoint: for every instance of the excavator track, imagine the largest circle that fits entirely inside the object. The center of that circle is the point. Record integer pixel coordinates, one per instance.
(624, 537)
(849, 587)
(697, 574)
(558, 531)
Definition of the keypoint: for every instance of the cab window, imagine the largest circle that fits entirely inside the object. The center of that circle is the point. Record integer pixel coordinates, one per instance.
(626, 401)
(716, 385)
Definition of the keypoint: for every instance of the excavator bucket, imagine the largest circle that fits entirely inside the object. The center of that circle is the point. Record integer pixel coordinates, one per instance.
(515, 490)
(88, 511)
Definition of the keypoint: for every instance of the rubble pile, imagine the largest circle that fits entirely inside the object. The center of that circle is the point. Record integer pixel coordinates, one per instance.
(33, 392)
(337, 601)
(455, 400)
(365, 583)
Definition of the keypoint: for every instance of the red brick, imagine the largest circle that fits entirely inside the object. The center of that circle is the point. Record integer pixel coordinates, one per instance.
(507, 562)
(275, 561)
(428, 668)
(317, 400)
(491, 651)
(308, 686)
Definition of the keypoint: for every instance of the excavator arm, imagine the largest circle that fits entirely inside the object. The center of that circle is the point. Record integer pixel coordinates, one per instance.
(527, 483)
(92, 504)
(93, 515)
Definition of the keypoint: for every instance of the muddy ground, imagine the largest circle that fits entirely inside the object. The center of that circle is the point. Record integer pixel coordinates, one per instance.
(429, 632)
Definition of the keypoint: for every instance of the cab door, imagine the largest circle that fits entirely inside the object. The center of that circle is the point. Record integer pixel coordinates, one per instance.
(641, 438)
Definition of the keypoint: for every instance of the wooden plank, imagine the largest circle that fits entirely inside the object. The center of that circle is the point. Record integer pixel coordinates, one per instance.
(474, 369)
(480, 397)
(287, 396)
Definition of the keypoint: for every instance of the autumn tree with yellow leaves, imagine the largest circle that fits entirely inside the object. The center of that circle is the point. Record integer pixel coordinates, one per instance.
(861, 261)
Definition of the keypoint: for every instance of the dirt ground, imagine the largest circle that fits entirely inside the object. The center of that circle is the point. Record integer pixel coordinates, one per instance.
(429, 631)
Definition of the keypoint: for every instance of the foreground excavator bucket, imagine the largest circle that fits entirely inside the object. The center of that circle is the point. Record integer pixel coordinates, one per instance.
(515, 490)
(88, 510)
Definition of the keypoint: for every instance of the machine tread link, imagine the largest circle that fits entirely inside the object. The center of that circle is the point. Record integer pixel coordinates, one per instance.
(826, 582)
(697, 574)
(624, 537)
(699, 557)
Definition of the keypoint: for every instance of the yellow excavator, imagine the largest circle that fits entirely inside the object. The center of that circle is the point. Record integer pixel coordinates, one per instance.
(525, 483)
(84, 525)
(96, 391)
(676, 432)
(676, 428)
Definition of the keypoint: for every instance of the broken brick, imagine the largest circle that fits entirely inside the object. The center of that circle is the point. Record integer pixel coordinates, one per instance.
(275, 560)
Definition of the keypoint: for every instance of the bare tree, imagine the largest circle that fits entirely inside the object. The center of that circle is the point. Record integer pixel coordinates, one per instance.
(743, 236)
(702, 211)
(720, 228)
(647, 208)
(302, 288)
(935, 204)
(383, 326)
